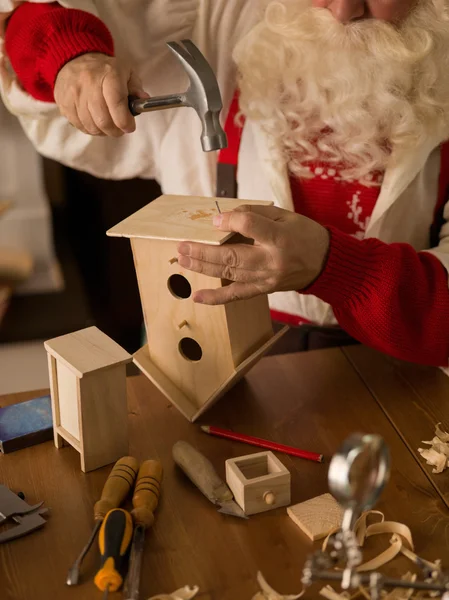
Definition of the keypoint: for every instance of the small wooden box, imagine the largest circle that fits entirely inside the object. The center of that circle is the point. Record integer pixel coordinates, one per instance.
(195, 353)
(88, 391)
(259, 482)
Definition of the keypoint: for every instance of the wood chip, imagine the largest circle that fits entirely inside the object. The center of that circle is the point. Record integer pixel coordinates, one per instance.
(438, 454)
(330, 594)
(185, 593)
(267, 592)
(443, 435)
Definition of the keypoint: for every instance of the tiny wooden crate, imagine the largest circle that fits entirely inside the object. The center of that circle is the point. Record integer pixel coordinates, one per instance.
(195, 353)
(88, 391)
(259, 482)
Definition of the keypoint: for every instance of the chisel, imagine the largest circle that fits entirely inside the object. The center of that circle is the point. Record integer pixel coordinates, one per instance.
(202, 473)
(145, 501)
(116, 488)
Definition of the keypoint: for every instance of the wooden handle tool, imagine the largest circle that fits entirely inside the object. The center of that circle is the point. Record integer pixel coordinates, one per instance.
(145, 501)
(115, 490)
(117, 486)
(202, 473)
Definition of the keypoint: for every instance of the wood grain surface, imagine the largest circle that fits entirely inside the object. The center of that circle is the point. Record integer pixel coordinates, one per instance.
(180, 218)
(414, 398)
(311, 400)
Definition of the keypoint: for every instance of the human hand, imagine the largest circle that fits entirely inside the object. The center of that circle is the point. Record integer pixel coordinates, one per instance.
(289, 253)
(92, 93)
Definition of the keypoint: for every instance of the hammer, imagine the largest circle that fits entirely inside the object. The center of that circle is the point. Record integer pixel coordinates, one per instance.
(203, 95)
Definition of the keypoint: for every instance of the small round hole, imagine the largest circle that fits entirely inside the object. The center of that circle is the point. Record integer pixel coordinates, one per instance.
(179, 286)
(190, 349)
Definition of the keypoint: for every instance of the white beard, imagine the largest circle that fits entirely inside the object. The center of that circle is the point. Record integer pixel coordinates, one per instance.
(352, 95)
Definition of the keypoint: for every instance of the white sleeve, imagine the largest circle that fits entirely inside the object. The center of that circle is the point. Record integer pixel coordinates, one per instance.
(139, 33)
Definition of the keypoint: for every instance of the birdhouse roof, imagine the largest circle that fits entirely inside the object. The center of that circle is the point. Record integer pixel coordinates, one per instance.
(179, 218)
(86, 351)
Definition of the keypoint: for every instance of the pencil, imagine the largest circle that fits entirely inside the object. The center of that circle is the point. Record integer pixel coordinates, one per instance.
(253, 441)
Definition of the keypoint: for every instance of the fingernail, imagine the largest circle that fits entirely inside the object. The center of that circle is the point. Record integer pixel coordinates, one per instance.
(218, 220)
(198, 299)
(184, 248)
(184, 261)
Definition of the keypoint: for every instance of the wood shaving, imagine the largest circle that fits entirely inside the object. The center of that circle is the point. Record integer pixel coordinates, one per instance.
(401, 593)
(267, 592)
(329, 593)
(443, 435)
(185, 593)
(401, 542)
(438, 454)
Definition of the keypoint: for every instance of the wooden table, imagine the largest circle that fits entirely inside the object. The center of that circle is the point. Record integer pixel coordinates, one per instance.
(311, 400)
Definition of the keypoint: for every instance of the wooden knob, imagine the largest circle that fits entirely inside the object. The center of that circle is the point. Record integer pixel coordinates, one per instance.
(183, 324)
(172, 261)
(269, 498)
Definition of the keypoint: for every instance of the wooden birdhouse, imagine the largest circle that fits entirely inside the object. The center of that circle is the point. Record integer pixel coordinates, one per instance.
(195, 352)
(88, 392)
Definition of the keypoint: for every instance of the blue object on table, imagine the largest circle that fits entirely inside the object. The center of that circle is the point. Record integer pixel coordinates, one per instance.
(25, 424)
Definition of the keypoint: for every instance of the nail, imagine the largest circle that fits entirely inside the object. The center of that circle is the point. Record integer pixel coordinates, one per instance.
(218, 220)
(198, 299)
(184, 248)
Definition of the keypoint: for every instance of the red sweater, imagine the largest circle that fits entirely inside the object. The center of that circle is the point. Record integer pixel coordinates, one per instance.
(388, 296)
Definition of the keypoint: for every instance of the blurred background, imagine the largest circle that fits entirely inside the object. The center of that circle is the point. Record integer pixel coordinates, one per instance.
(59, 272)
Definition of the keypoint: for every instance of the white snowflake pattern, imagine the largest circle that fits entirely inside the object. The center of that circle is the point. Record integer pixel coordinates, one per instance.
(355, 215)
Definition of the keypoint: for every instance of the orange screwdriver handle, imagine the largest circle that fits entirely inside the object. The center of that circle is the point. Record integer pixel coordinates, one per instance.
(117, 486)
(146, 493)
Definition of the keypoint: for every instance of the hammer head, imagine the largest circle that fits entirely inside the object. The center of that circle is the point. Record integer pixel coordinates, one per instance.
(203, 94)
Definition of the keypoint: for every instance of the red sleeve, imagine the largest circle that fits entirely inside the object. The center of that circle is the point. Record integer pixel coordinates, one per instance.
(388, 296)
(41, 38)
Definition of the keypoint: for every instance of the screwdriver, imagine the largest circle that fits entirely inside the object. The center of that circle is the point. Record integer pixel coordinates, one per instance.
(145, 501)
(115, 490)
(114, 540)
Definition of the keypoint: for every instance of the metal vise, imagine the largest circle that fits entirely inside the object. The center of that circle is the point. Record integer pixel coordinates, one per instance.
(203, 95)
(28, 518)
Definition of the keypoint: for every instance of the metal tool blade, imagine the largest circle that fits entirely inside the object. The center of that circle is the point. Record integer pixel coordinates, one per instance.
(20, 513)
(12, 505)
(74, 573)
(233, 509)
(132, 584)
(201, 472)
(28, 524)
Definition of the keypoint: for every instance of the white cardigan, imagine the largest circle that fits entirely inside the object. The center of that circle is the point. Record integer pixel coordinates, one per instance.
(166, 145)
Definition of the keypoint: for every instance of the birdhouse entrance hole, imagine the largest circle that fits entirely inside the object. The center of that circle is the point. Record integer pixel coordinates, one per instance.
(179, 286)
(190, 349)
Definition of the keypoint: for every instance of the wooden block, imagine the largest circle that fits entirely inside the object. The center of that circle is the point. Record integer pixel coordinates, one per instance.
(317, 517)
(104, 418)
(86, 351)
(259, 482)
(88, 391)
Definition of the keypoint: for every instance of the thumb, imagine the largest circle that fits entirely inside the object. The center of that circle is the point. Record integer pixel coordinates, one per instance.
(135, 87)
(273, 213)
